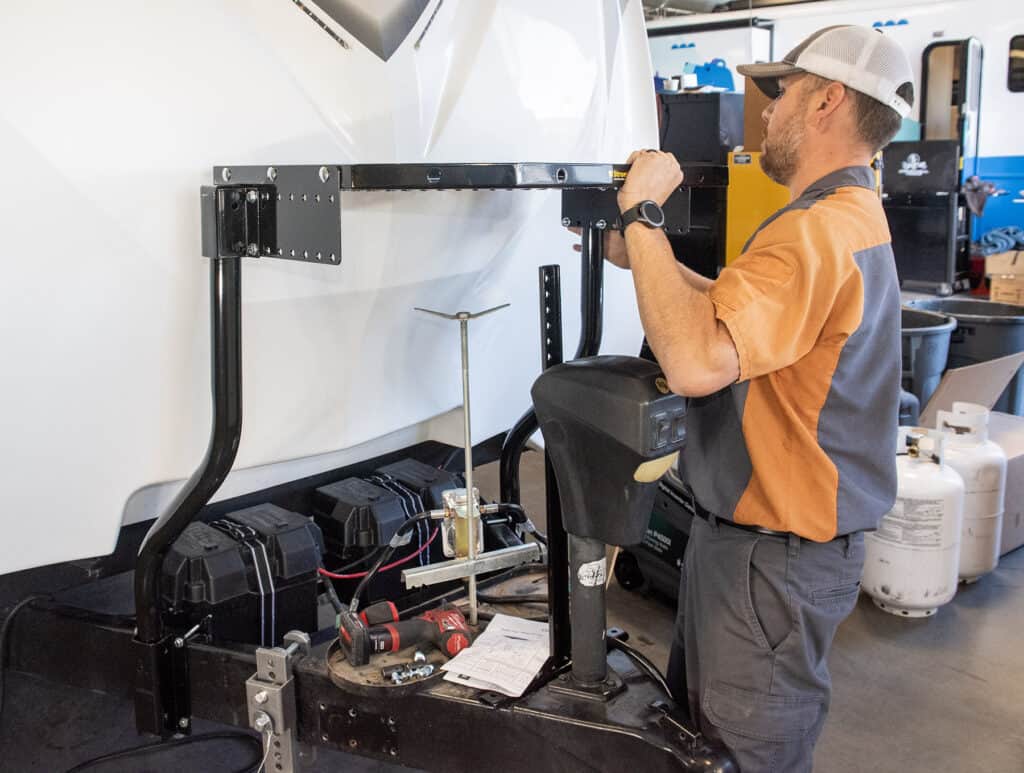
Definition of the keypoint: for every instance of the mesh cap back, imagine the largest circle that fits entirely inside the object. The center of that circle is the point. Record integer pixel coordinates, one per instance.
(859, 57)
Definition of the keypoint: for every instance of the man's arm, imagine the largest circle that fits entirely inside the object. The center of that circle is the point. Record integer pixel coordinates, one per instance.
(693, 347)
(698, 282)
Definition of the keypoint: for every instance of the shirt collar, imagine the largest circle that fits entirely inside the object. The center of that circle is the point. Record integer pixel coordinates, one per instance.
(857, 176)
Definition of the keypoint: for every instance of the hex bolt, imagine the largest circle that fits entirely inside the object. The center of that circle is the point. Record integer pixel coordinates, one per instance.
(179, 643)
(261, 697)
(253, 250)
(251, 197)
(262, 722)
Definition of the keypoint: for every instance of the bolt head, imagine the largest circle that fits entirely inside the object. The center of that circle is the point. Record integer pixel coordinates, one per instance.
(261, 696)
(271, 173)
(353, 713)
(252, 250)
(600, 225)
(324, 174)
(179, 643)
(566, 222)
(225, 174)
(251, 197)
(183, 723)
(419, 657)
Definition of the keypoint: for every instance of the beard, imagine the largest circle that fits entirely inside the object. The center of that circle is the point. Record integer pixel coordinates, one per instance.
(780, 157)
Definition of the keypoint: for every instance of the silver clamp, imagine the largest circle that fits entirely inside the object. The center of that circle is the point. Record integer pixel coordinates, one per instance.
(270, 697)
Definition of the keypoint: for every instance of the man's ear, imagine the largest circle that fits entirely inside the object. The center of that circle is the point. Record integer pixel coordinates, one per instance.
(827, 101)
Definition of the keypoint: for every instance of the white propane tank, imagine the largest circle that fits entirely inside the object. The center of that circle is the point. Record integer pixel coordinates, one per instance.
(982, 465)
(911, 561)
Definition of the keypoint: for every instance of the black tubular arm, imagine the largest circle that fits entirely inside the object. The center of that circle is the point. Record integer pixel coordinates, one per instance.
(226, 387)
(591, 293)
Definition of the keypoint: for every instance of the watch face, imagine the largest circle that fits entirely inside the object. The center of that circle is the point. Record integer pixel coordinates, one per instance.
(652, 213)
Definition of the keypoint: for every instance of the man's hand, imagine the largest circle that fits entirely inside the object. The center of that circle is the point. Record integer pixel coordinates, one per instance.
(654, 176)
(614, 247)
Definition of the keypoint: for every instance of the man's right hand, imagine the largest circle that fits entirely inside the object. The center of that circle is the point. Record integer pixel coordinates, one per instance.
(614, 247)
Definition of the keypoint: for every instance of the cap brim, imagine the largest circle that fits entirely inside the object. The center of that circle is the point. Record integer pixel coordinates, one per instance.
(766, 75)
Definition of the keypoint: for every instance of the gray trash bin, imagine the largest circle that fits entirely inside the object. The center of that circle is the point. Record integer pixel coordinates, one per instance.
(925, 349)
(985, 331)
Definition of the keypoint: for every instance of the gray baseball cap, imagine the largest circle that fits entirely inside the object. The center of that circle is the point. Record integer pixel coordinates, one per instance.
(859, 57)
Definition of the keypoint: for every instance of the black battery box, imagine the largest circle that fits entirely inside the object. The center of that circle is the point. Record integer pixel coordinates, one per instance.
(253, 572)
(354, 513)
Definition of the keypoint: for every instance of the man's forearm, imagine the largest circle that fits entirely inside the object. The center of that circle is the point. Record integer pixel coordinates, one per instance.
(679, 320)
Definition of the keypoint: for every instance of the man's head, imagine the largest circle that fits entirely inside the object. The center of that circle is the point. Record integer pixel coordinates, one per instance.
(844, 87)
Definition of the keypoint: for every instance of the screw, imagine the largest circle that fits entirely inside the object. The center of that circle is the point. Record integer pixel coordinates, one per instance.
(325, 174)
(393, 751)
(252, 250)
(251, 197)
(261, 696)
(323, 707)
(419, 657)
(183, 723)
(271, 173)
(566, 222)
(179, 643)
(353, 713)
(600, 225)
(225, 174)
(353, 743)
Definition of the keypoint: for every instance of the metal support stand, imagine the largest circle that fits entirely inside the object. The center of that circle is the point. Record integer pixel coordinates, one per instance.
(270, 697)
(590, 676)
(159, 707)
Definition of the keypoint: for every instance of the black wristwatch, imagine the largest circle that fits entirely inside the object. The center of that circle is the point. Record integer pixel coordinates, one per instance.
(646, 212)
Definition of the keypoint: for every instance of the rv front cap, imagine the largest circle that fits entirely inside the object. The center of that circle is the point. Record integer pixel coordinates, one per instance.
(859, 57)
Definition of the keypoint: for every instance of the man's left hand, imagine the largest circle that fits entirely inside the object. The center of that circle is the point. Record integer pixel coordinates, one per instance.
(654, 176)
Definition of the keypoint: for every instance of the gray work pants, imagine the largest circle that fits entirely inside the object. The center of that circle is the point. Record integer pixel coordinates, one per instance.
(757, 614)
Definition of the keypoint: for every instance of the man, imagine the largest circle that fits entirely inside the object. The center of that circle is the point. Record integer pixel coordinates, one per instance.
(791, 358)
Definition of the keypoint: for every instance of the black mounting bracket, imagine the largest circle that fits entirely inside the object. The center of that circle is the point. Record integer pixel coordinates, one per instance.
(294, 212)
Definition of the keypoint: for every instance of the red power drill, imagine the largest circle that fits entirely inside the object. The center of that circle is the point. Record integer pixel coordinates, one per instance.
(377, 629)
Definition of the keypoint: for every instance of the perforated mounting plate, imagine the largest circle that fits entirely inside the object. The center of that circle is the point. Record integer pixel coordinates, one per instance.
(308, 209)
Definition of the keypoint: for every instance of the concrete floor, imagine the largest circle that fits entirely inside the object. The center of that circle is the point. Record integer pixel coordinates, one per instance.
(942, 694)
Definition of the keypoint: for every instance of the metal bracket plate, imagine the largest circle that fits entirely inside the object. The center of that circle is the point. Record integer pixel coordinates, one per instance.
(299, 210)
(357, 730)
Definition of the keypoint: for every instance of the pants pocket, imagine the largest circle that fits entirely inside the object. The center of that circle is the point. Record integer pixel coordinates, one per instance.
(764, 732)
(766, 596)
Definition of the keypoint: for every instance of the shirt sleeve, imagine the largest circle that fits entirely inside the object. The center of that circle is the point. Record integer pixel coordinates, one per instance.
(776, 297)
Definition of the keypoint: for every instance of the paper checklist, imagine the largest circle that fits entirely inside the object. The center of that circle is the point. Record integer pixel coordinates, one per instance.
(505, 658)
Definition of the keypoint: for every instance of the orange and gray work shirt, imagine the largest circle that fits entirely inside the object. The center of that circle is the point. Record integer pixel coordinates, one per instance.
(805, 441)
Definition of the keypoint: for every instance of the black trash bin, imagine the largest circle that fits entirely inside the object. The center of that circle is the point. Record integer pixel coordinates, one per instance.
(926, 337)
(985, 331)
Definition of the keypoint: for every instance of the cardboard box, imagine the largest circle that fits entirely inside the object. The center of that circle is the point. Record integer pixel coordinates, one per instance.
(1005, 271)
(754, 103)
(1008, 432)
